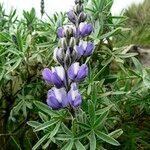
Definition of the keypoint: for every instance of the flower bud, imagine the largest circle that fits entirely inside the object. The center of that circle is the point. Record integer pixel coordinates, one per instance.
(74, 96)
(78, 8)
(57, 98)
(72, 16)
(79, 1)
(82, 17)
(58, 55)
(72, 42)
(77, 72)
(67, 59)
(64, 43)
(74, 56)
(85, 29)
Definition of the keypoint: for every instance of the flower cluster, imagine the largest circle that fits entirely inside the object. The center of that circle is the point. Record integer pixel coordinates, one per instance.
(72, 47)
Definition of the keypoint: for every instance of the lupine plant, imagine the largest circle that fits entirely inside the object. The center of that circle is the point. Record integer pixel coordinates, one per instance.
(69, 123)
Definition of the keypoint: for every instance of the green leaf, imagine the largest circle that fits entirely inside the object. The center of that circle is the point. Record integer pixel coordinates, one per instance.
(91, 111)
(82, 135)
(66, 130)
(40, 141)
(115, 134)
(15, 65)
(45, 125)
(92, 141)
(100, 72)
(127, 55)
(43, 107)
(63, 137)
(110, 33)
(84, 126)
(68, 146)
(137, 65)
(55, 130)
(79, 145)
(103, 110)
(107, 138)
(46, 144)
(101, 119)
(33, 123)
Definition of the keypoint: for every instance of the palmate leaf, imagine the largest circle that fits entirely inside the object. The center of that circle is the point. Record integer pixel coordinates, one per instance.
(106, 138)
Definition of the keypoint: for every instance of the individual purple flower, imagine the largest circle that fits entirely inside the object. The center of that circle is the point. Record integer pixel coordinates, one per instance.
(74, 96)
(85, 48)
(77, 72)
(54, 76)
(47, 75)
(72, 16)
(57, 98)
(85, 29)
(60, 32)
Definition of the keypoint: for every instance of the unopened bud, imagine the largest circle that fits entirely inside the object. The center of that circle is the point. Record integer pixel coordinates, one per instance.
(72, 16)
(78, 8)
(66, 32)
(64, 43)
(72, 42)
(58, 55)
(74, 56)
(79, 1)
(82, 17)
(67, 60)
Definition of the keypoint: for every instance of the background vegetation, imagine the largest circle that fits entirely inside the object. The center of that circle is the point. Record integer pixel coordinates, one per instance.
(138, 24)
(116, 92)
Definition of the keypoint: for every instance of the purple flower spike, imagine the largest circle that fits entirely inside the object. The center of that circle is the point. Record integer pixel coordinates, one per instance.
(85, 49)
(85, 29)
(77, 72)
(72, 16)
(74, 96)
(60, 32)
(57, 98)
